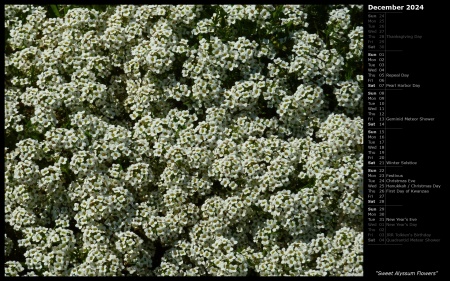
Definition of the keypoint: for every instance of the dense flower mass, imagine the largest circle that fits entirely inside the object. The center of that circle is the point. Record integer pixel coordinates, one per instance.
(183, 140)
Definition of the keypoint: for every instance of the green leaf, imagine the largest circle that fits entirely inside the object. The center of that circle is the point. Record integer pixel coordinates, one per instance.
(55, 10)
(289, 24)
(88, 135)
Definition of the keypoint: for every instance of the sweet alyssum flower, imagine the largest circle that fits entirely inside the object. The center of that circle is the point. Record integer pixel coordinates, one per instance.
(183, 140)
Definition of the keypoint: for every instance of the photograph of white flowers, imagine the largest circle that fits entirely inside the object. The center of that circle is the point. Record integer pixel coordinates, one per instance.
(183, 140)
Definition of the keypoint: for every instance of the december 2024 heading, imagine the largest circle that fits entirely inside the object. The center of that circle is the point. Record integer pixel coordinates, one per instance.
(395, 7)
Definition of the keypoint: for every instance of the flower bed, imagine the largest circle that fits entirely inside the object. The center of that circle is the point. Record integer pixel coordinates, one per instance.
(183, 140)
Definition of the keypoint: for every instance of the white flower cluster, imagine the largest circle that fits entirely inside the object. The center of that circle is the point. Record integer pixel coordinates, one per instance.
(356, 43)
(339, 22)
(349, 95)
(183, 140)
